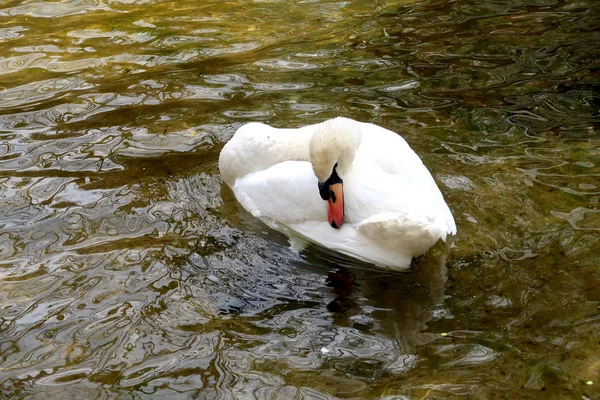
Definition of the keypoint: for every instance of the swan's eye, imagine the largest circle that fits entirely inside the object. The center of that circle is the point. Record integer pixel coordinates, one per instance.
(324, 191)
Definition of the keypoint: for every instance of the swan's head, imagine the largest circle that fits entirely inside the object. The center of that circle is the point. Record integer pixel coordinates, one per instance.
(332, 149)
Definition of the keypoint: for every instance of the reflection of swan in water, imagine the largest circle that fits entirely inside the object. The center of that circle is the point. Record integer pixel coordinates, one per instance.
(400, 304)
(363, 316)
(379, 196)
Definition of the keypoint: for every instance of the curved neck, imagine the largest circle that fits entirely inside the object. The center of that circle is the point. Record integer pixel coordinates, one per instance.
(256, 147)
(334, 142)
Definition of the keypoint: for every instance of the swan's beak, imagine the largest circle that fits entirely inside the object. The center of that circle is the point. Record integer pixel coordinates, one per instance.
(335, 209)
(332, 191)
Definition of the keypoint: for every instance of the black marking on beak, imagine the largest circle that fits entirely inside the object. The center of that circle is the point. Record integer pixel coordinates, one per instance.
(324, 190)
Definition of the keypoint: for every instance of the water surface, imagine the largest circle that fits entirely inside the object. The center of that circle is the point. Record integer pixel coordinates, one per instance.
(127, 269)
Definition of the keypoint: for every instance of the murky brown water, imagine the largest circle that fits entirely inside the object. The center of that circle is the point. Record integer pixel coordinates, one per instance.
(127, 270)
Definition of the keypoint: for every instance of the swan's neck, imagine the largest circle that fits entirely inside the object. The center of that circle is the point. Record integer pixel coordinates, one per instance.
(257, 147)
(334, 142)
(290, 146)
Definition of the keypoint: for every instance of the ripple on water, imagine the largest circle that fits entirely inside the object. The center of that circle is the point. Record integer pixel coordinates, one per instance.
(127, 269)
(54, 9)
(39, 91)
(285, 64)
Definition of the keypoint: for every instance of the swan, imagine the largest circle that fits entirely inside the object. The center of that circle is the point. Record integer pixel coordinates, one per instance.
(353, 187)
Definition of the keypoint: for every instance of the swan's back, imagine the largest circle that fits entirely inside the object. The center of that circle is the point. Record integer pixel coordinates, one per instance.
(403, 175)
(257, 147)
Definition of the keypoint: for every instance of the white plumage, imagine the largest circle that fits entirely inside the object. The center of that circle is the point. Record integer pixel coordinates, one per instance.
(393, 210)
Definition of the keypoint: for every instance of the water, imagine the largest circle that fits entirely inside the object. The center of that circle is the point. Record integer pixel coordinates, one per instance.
(127, 270)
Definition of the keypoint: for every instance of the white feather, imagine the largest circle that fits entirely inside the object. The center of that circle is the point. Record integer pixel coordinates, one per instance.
(394, 211)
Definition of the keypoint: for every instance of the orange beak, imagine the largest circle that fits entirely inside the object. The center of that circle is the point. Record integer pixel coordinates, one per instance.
(335, 209)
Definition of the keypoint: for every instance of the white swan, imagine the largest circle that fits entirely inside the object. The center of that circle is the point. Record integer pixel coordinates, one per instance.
(381, 198)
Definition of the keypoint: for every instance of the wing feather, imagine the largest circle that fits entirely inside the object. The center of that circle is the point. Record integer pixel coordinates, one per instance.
(401, 232)
(286, 192)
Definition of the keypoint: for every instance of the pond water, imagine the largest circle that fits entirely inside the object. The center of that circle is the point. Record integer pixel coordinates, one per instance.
(127, 269)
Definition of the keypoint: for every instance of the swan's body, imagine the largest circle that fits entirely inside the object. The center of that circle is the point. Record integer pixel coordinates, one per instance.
(392, 210)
